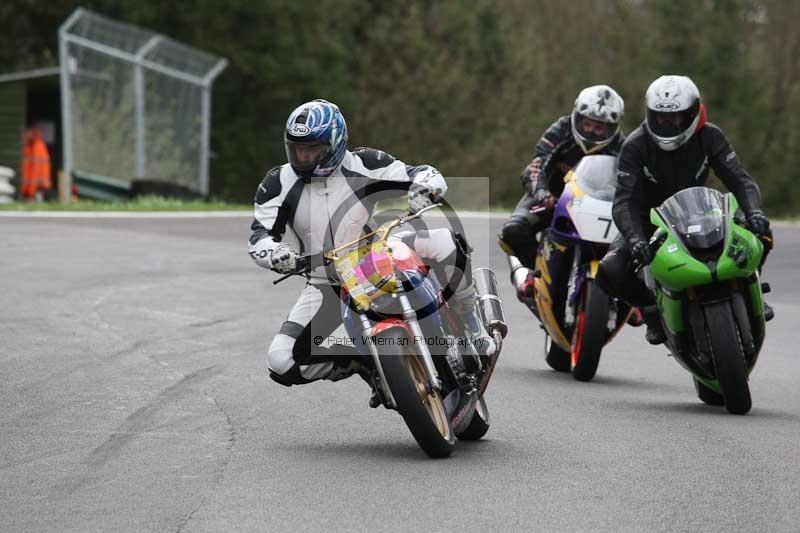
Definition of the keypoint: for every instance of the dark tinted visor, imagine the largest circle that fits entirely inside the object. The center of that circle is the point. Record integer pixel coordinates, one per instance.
(669, 124)
(306, 156)
(593, 130)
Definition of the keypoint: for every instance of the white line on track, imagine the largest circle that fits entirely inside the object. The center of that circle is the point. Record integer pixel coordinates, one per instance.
(183, 214)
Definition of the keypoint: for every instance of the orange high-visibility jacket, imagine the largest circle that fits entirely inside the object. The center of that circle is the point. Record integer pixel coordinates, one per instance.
(35, 164)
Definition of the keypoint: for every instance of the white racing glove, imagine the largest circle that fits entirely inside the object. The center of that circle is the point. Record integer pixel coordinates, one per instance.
(275, 256)
(420, 197)
(283, 259)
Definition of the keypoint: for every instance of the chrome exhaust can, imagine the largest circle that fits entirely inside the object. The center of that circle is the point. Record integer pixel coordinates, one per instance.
(489, 303)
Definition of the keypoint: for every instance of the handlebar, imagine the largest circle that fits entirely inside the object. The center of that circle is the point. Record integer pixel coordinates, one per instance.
(306, 263)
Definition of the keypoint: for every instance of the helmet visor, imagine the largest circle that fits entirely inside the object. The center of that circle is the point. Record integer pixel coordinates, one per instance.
(305, 157)
(594, 131)
(669, 124)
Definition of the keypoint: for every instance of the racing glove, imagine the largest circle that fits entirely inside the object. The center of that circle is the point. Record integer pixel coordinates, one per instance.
(282, 259)
(421, 196)
(543, 198)
(758, 224)
(641, 253)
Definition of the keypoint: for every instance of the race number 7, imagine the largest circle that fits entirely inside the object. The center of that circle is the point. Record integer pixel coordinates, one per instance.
(608, 227)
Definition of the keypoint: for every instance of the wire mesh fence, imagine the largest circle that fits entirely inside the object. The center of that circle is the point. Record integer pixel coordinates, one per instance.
(135, 104)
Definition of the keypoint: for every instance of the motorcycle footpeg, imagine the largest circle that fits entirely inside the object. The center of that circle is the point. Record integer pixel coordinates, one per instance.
(375, 399)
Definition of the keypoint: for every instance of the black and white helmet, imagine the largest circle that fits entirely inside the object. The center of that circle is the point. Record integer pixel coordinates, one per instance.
(599, 103)
(673, 111)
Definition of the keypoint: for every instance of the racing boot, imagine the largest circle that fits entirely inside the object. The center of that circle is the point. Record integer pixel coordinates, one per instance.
(769, 312)
(523, 280)
(366, 375)
(636, 319)
(655, 330)
(343, 369)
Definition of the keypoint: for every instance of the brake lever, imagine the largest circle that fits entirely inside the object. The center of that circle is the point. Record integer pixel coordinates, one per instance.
(306, 263)
(767, 241)
(304, 268)
(411, 216)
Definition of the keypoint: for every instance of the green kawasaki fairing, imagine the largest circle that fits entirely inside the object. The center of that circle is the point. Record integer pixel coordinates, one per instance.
(680, 273)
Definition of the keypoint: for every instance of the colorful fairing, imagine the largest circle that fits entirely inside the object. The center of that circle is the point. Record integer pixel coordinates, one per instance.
(570, 249)
(367, 273)
(583, 211)
(563, 225)
(419, 285)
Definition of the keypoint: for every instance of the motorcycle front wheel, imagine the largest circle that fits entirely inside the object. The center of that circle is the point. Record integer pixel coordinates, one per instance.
(590, 333)
(420, 406)
(728, 355)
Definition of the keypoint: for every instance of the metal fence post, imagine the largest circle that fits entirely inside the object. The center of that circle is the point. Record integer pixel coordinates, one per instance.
(66, 102)
(205, 139)
(206, 124)
(139, 109)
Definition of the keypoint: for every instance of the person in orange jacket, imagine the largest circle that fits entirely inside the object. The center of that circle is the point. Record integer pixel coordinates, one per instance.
(35, 165)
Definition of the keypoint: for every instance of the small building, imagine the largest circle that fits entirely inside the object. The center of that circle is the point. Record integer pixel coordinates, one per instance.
(30, 98)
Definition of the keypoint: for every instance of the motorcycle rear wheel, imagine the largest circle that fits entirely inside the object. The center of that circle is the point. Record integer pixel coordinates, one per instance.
(728, 355)
(421, 407)
(479, 424)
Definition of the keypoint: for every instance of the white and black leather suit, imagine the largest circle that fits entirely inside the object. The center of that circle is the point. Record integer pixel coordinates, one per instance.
(324, 213)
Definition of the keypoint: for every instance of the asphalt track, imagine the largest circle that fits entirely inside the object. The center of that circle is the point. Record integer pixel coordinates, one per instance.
(134, 397)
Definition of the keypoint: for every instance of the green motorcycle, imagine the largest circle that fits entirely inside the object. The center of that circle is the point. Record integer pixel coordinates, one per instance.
(705, 275)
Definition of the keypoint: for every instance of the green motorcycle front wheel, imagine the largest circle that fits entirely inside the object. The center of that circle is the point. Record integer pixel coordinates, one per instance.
(729, 362)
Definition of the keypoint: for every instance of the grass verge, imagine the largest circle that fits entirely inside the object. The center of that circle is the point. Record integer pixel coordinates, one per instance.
(143, 203)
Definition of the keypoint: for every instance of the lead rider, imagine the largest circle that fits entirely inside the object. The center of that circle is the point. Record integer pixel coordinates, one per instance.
(326, 195)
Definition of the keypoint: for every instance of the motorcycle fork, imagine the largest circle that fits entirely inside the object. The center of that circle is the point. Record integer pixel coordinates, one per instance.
(572, 303)
(366, 327)
(410, 316)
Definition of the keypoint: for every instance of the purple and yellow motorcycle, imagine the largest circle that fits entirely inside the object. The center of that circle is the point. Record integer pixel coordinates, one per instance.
(577, 316)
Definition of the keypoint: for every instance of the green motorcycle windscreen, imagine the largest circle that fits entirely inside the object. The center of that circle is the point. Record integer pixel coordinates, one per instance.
(703, 242)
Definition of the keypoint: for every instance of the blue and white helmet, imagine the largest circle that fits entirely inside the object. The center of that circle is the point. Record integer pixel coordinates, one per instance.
(316, 139)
